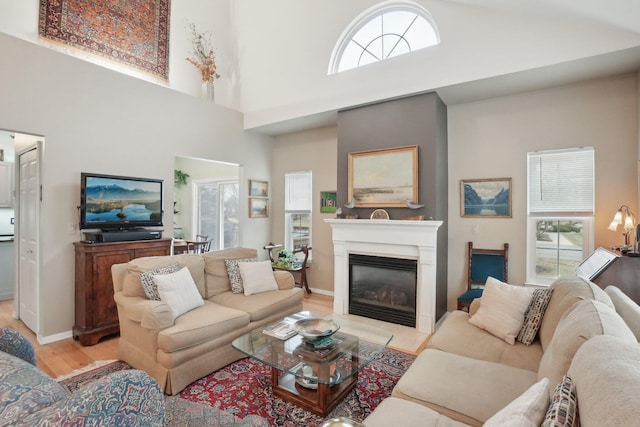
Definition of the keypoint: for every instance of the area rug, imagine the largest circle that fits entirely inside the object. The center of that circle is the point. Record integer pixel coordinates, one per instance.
(244, 387)
(242, 391)
(135, 33)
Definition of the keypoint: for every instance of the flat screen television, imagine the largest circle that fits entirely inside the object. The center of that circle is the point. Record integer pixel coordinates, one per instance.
(110, 202)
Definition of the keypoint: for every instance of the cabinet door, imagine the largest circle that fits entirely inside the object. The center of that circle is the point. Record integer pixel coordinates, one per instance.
(154, 251)
(6, 184)
(106, 312)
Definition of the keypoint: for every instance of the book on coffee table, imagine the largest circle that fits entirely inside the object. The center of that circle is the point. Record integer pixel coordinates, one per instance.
(282, 330)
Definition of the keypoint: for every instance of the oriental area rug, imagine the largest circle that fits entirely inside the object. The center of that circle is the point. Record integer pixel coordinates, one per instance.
(134, 33)
(242, 390)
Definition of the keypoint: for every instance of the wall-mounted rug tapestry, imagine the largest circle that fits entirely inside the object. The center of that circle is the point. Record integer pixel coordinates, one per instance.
(135, 33)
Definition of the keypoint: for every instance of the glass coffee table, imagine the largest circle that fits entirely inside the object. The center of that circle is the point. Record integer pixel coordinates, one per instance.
(316, 375)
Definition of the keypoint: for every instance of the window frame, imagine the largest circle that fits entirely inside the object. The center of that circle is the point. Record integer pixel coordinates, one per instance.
(289, 212)
(219, 242)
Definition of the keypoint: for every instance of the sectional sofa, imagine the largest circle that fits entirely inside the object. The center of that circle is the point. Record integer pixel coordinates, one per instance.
(585, 353)
(177, 350)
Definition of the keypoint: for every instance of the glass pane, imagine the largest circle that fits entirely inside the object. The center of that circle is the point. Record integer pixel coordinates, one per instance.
(397, 22)
(230, 210)
(369, 31)
(208, 212)
(559, 247)
(300, 230)
(394, 46)
(350, 57)
(421, 34)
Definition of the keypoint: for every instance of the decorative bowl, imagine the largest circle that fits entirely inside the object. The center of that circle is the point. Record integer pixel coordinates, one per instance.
(314, 328)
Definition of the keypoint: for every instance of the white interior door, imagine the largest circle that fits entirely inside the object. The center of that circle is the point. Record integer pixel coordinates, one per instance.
(28, 229)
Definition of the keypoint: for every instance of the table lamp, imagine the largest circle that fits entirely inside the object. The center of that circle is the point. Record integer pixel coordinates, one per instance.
(625, 218)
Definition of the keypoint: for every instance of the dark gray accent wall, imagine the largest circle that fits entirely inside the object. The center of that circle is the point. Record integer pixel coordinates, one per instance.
(417, 120)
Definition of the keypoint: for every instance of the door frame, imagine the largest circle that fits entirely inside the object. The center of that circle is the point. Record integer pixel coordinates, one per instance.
(38, 145)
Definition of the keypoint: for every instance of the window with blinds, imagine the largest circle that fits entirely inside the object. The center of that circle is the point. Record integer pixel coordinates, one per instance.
(560, 209)
(297, 209)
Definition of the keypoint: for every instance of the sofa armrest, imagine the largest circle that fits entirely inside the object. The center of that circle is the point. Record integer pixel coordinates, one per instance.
(150, 314)
(15, 344)
(284, 279)
(128, 397)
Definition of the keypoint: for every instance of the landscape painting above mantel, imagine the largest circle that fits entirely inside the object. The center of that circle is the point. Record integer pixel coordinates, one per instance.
(384, 178)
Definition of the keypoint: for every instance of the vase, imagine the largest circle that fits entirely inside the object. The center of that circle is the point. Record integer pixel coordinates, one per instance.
(207, 91)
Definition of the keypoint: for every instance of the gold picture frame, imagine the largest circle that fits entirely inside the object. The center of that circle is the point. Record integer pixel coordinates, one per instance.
(384, 178)
(258, 188)
(258, 207)
(485, 198)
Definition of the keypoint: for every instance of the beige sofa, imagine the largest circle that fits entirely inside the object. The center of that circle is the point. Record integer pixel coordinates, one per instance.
(176, 353)
(466, 375)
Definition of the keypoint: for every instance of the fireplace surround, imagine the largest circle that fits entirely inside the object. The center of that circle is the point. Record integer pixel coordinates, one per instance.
(403, 239)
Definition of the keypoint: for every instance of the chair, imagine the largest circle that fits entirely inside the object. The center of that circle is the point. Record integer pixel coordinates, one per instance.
(483, 263)
(198, 247)
(302, 269)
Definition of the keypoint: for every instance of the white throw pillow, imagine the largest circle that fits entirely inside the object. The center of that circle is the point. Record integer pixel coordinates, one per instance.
(527, 410)
(257, 277)
(178, 291)
(502, 309)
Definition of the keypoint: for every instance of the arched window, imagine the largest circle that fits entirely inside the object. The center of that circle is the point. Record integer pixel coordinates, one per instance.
(387, 30)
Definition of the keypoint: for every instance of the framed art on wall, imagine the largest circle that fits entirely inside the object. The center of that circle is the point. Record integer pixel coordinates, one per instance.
(384, 178)
(258, 188)
(258, 207)
(328, 201)
(485, 198)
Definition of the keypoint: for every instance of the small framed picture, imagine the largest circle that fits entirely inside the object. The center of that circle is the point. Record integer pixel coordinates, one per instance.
(258, 188)
(485, 198)
(328, 201)
(258, 207)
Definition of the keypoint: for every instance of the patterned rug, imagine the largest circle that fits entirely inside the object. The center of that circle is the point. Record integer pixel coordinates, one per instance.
(244, 387)
(135, 33)
(242, 390)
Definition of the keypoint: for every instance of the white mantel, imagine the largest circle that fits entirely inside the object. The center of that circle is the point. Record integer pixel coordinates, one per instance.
(389, 238)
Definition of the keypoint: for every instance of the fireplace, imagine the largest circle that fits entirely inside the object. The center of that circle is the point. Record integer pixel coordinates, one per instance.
(408, 240)
(383, 288)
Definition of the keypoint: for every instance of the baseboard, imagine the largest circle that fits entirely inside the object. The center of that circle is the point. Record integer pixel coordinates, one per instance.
(42, 340)
(321, 292)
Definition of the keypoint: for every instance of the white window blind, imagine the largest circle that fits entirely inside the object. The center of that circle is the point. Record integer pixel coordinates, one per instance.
(298, 191)
(561, 182)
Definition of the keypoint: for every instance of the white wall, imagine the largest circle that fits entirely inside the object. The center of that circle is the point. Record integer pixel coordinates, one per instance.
(490, 139)
(97, 120)
(314, 150)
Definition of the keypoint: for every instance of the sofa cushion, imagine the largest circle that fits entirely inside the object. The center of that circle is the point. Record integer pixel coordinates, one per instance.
(149, 285)
(626, 308)
(257, 277)
(178, 291)
(586, 319)
(217, 278)
(263, 305)
(393, 411)
(24, 389)
(200, 325)
(606, 372)
(527, 410)
(563, 409)
(566, 292)
(533, 316)
(455, 333)
(502, 310)
(133, 287)
(464, 389)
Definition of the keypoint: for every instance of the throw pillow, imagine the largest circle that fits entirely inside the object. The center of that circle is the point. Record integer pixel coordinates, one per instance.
(563, 410)
(502, 310)
(178, 291)
(234, 274)
(533, 316)
(149, 286)
(527, 410)
(257, 277)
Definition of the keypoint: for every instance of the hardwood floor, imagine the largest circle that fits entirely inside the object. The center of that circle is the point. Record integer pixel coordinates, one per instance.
(62, 357)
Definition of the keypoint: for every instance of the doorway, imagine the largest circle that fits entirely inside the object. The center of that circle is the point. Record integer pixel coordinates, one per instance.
(206, 201)
(24, 209)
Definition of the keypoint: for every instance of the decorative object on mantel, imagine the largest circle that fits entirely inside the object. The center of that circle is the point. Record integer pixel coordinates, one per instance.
(412, 205)
(132, 33)
(350, 205)
(380, 214)
(205, 61)
(485, 198)
(627, 219)
(383, 178)
(415, 218)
